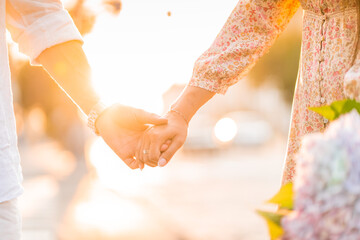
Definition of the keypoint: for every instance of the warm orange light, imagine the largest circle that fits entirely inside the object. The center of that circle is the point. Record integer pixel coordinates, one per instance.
(61, 68)
(109, 214)
(114, 174)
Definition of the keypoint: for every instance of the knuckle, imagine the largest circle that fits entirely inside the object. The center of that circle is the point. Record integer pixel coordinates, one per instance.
(154, 135)
(133, 167)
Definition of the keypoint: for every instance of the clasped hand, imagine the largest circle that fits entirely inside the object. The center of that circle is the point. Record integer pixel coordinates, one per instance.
(139, 137)
(158, 144)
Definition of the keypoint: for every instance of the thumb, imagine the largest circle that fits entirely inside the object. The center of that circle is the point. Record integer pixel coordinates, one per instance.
(144, 117)
(169, 153)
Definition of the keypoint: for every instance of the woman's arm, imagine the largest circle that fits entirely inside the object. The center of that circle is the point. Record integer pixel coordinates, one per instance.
(249, 32)
(251, 29)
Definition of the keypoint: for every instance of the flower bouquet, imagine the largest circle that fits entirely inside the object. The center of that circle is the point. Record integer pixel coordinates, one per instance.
(324, 202)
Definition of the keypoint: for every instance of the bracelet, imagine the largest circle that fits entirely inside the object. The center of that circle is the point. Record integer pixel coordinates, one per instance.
(94, 114)
(180, 114)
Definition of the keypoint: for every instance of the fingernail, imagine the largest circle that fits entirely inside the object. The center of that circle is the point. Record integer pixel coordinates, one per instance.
(162, 162)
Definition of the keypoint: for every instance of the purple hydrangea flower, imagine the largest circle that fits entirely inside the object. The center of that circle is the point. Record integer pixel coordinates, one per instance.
(327, 184)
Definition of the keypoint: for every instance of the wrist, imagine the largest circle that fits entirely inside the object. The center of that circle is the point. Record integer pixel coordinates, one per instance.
(179, 115)
(190, 101)
(184, 107)
(86, 100)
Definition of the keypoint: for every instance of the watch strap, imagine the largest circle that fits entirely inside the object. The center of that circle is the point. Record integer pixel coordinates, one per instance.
(94, 114)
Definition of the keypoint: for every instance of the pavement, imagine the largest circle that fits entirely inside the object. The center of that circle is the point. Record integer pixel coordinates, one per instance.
(208, 195)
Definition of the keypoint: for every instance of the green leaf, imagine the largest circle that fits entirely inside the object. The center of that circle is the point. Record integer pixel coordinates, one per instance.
(285, 197)
(336, 109)
(273, 221)
(345, 106)
(325, 111)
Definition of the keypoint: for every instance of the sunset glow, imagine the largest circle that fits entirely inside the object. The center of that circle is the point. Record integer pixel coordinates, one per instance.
(138, 55)
(113, 174)
(109, 214)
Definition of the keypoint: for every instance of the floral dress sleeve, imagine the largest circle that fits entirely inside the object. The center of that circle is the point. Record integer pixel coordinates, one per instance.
(249, 32)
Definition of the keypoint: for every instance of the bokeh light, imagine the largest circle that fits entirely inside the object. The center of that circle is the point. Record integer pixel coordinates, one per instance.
(225, 129)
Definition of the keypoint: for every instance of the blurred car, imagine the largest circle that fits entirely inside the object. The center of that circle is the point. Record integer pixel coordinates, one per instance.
(240, 128)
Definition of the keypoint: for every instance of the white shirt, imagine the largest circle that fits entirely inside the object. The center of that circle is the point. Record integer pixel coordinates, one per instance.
(35, 25)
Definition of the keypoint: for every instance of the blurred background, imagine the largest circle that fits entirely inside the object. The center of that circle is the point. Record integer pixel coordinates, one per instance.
(142, 53)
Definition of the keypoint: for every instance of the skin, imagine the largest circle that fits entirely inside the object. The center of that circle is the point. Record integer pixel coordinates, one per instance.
(175, 132)
(173, 135)
(120, 126)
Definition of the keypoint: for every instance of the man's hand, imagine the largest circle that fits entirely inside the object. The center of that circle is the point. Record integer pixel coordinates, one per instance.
(159, 143)
(122, 127)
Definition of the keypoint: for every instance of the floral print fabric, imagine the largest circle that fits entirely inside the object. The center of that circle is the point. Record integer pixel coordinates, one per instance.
(328, 46)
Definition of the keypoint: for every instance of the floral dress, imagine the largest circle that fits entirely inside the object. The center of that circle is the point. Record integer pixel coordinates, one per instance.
(328, 48)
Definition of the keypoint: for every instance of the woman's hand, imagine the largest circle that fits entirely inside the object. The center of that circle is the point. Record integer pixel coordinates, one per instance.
(122, 128)
(159, 143)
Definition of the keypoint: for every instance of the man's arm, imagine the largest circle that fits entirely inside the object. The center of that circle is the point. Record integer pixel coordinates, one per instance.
(68, 65)
(120, 126)
(46, 33)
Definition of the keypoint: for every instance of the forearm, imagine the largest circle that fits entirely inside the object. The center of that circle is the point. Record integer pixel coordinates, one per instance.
(68, 66)
(191, 100)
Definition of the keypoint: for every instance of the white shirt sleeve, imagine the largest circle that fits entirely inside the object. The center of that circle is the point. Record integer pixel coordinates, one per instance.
(39, 24)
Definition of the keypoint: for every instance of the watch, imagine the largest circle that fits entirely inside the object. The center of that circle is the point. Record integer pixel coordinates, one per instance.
(94, 114)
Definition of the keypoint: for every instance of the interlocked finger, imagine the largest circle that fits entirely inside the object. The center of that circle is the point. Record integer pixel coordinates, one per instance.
(138, 154)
